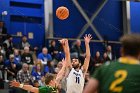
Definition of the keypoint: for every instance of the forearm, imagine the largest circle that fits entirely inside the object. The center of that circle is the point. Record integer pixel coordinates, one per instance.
(87, 59)
(87, 51)
(30, 88)
(61, 74)
(67, 55)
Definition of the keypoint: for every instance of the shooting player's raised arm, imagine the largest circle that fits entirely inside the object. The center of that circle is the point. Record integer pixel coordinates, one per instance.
(87, 59)
(65, 45)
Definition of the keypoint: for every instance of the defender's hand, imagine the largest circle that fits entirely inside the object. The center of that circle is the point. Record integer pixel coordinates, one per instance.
(14, 84)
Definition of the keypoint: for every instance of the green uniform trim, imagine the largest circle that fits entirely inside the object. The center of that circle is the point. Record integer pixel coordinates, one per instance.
(47, 89)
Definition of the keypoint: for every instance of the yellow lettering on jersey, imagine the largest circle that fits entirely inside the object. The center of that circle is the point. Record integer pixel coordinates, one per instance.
(121, 76)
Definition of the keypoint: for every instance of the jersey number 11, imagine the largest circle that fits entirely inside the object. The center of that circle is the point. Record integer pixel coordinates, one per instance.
(78, 80)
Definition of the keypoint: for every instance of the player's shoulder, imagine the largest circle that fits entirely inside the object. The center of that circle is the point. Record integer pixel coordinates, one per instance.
(108, 63)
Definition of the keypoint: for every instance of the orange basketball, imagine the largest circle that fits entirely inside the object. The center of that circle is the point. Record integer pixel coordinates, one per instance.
(62, 13)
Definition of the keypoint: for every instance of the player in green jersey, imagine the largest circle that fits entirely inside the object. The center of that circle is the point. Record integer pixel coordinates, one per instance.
(122, 76)
(51, 82)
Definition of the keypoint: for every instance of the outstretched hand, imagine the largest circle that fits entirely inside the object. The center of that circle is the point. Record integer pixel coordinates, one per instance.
(14, 84)
(63, 42)
(87, 38)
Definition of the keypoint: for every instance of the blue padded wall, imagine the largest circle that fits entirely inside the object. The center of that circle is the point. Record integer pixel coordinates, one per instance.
(108, 22)
(25, 16)
(135, 16)
(28, 16)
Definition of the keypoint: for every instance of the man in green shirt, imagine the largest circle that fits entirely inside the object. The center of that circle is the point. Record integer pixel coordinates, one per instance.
(122, 76)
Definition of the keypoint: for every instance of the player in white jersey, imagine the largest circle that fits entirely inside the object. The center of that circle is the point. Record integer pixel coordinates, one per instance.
(76, 75)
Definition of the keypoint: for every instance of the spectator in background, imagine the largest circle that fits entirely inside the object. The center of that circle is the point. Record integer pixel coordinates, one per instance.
(109, 52)
(23, 75)
(53, 49)
(2, 51)
(59, 66)
(17, 55)
(24, 43)
(26, 57)
(49, 68)
(1, 71)
(41, 80)
(1, 66)
(60, 55)
(11, 66)
(38, 73)
(44, 56)
(97, 59)
(3, 30)
(77, 50)
(8, 44)
(105, 58)
(42, 83)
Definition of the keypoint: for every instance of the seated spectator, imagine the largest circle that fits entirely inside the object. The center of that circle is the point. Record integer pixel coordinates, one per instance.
(17, 55)
(3, 30)
(60, 55)
(42, 82)
(8, 44)
(97, 59)
(1, 66)
(2, 51)
(24, 43)
(53, 49)
(59, 66)
(44, 56)
(49, 68)
(105, 58)
(11, 66)
(1, 71)
(24, 75)
(26, 57)
(77, 50)
(38, 72)
(109, 52)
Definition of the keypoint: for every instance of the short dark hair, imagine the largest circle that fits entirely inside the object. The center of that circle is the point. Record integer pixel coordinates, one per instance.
(49, 77)
(24, 36)
(9, 36)
(76, 58)
(131, 44)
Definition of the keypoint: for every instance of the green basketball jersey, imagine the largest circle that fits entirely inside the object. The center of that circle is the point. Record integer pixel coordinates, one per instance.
(118, 77)
(47, 89)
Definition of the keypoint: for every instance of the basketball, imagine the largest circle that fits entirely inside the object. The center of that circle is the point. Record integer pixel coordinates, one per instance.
(62, 13)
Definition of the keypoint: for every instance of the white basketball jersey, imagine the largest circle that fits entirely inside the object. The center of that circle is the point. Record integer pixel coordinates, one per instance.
(75, 81)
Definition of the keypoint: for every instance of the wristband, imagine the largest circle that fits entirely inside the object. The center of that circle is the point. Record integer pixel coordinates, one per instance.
(21, 85)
